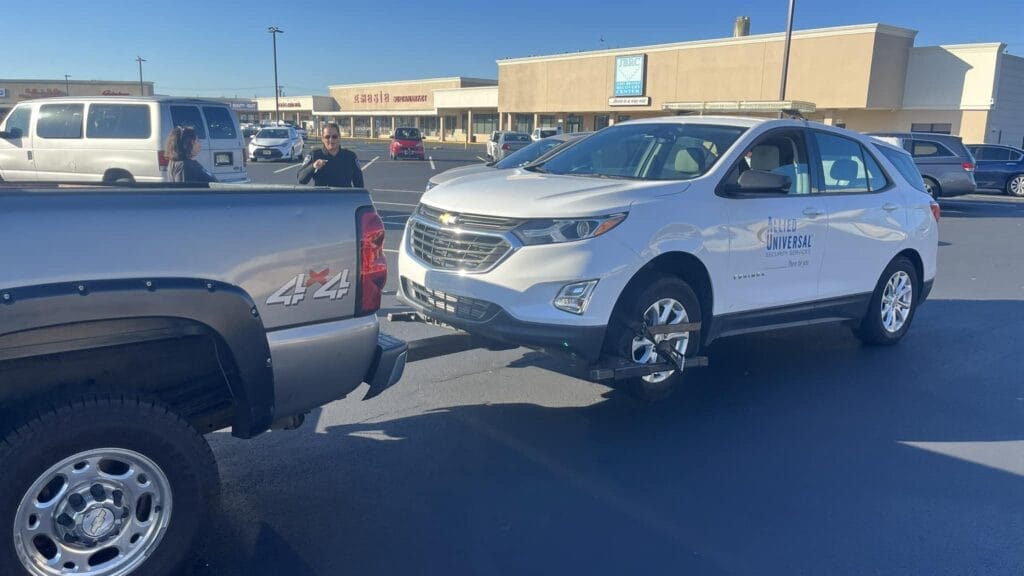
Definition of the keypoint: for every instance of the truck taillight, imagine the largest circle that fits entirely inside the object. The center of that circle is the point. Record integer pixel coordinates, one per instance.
(162, 159)
(936, 211)
(373, 266)
(968, 166)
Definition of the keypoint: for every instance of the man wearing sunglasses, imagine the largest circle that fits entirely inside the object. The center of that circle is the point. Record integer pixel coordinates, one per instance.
(332, 165)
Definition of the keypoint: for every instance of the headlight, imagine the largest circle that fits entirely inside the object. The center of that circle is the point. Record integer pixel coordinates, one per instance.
(569, 230)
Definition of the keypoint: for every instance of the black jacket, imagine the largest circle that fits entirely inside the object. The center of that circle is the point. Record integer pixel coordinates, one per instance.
(188, 171)
(341, 170)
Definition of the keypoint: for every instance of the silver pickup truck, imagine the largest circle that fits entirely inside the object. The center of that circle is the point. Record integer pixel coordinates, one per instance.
(134, 320)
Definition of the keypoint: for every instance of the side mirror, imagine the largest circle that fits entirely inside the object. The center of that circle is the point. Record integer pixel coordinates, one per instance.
(11, 134)
(762, 181)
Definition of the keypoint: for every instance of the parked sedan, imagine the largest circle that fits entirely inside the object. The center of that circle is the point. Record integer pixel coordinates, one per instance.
(999, 167)
(275, 144)
(535, 152)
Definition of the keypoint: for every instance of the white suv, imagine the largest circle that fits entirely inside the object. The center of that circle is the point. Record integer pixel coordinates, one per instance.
(648, 240)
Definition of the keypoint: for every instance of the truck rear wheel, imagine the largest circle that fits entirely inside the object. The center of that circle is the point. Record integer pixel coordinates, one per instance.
(108, 486)
(665, 300)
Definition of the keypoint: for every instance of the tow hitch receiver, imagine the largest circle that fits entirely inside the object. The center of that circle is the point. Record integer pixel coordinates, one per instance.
(622, 368)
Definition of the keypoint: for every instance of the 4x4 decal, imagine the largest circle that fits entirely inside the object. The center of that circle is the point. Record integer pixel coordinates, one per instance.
(294, 291)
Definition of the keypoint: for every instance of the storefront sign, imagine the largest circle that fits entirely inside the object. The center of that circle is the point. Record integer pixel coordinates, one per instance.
(386, 98)
(630, 75)
(115, 93)
(244, 106)
(630, 101)
(290, 105)
(41, 93)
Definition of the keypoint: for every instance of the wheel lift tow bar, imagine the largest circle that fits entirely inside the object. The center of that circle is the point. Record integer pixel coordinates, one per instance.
(617, 369)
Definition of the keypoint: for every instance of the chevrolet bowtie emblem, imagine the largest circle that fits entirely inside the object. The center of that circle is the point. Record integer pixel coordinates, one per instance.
(449, 219)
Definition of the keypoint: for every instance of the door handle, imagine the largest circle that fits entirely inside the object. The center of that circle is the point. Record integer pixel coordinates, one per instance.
(29, 154)
(890, 207)
(813, 212)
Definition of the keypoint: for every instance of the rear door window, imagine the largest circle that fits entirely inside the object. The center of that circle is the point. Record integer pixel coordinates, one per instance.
(847, 167)
(189, 116)
(220, 122)
(118, 121)
(992, 153)
(929, 149)
(60, 121)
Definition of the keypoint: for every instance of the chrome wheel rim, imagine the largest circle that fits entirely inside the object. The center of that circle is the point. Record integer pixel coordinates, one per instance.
(660, 313)
(897, 300)
(1017, 186)
(100, 512)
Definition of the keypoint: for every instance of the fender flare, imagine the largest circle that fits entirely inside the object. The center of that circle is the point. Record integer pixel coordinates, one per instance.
(89, 309)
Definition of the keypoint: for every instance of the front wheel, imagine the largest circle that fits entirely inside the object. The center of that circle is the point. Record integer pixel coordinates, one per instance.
(892, 306)
(105, 487)
(666, 300)
(1015, 186)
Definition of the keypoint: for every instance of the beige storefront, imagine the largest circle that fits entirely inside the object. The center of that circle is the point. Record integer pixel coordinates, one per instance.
(14, 91)
(442, 108)
(866, 77)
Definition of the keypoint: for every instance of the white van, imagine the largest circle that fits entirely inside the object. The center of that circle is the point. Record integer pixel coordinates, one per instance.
(111, 139)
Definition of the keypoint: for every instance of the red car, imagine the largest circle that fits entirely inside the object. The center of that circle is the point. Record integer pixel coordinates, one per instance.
(407, 143)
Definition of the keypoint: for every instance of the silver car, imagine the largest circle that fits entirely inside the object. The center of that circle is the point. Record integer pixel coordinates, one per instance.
(276, 143)
(507, 143)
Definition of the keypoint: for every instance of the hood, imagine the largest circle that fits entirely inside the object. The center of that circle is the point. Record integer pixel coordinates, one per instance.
(460, 172)
(518, 193)
(270, 141)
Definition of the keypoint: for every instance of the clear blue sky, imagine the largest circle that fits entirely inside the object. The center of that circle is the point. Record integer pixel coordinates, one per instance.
(217, 48)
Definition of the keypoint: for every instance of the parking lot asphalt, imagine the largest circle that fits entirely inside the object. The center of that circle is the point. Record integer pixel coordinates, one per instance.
(795, 452)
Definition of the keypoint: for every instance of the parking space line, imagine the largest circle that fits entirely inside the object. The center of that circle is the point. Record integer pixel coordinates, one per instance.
(482, 159)
(287, 168)
(370, 163)
(432, 167)
(395, 204)
(391, 251)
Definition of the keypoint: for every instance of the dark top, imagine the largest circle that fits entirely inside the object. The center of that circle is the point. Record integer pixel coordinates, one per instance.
(188, 171)
(341, 170)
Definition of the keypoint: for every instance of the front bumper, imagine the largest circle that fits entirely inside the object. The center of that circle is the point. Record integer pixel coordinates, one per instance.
(489, 320)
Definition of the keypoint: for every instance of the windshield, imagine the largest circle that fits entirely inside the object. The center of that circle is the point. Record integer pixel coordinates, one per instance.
(646, 152)
(272, 134)
(407, 134)
(528, 154)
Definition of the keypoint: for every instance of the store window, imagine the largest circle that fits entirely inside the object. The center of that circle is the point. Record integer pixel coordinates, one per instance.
(600, 121)
(485, 123)
(429, 125)
(622, 118)
(574, 123)
(932, 128)
(547, 122)
(522, 123)
(362, 129)
(450, 125)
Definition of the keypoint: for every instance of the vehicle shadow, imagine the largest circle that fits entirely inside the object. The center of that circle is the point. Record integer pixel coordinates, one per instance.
(980, 208)
(797, 452)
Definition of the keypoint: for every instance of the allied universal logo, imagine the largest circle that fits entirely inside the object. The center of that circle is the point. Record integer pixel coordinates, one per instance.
(448, 219)
(783, 238)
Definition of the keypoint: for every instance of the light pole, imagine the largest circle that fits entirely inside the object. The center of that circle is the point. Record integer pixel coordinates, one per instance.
(785, 51)
(140, 60)
(274, 31)
(67, 85)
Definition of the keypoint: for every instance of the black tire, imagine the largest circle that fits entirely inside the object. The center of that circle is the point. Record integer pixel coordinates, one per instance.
(872, 329)
(932, 188)
(630, 310)
(146, 428)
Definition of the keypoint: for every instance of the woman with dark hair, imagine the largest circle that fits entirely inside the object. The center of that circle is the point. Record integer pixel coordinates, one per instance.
(181, 150)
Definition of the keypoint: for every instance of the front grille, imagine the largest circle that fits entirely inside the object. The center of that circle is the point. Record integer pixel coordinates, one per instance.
(460, 306)
(471, 221)
(449, 249)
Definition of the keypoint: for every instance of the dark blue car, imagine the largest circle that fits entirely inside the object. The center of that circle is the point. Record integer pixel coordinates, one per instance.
(999, 167)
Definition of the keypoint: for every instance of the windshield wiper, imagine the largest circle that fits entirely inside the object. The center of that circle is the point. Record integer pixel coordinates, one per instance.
(535, 168)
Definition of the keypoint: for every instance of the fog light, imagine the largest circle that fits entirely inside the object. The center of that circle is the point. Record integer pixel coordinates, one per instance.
(575, 297)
